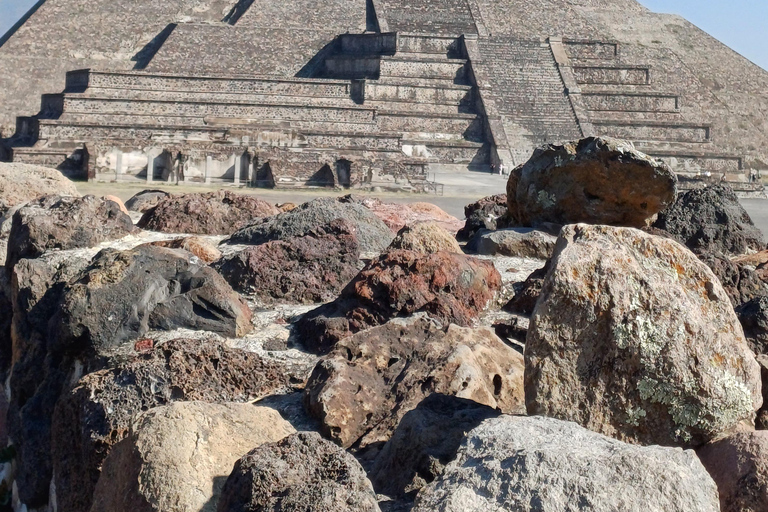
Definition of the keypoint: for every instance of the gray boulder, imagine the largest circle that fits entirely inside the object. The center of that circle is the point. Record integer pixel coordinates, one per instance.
(635, 338)
(302, 472)
(517, 242)
(373, 234)
(536, 464)
(145, 200)
(596, 180)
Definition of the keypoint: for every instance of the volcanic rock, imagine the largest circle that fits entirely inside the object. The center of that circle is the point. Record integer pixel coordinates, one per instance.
(87, 424)
(538, 464)
(176, 458)
(145, 200)
(200, 247)
(762, 415)
(20, 183)
(595, 180)
(712, 220)
(426, 237)
(740, 281)
(372, 233)
(527, 294)
(739, 466)
(517, 242)
(305, 269)
(483, 214)
(425, 441)
(635, 338)
(56, 222)
(302, 472)
(362, 389)
(397, 216)
(753, 316)
(449, 287)
(211, 213)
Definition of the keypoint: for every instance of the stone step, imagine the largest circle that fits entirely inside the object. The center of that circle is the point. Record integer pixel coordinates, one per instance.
(420, 108)
(617, 117)
(448, 94)
(448, 151)
(654, 131)
(421, 81)
(631, 102)
(591, 49)
(697, 162)
(423, 43)
(469, 126)
(423, 67)
(78, 81)
(612, 74)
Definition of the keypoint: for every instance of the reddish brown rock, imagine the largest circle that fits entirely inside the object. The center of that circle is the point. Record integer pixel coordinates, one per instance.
(396, 216)
(739, 466)
(362, 389)
(740, 281)
(211, 213)
(449, 287)
(305, 269)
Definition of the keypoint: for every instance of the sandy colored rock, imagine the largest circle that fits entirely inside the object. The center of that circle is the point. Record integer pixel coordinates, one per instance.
(739, 466)
(426, 237)
(176, 458)
(515, 242)
(536, 464)
(635, 338)
(362, 389)
(596, 180)
(117, 201)
(207, 251)
(20, 183)
(303, 472)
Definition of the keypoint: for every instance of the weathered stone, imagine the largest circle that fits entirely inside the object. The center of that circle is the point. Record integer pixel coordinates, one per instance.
(176, 458)
(286, 207)
(483, 214)
(118, 202)
(739, 466)
(306, 269)
(753, 316)
(426, 237)
(203, 249)
(372, 233)
(635, 338)
(211, 213)
(426, 439)
(87, 423)
(145, 200)
(595, 180)
(527, 293)
(711, 219)
(20, 183)
(362, 389)
(449, 287)
(741, 283)
(397, 216)
(6, 318)
(761, 422)
(538, 464)
(55, 222)
(300, 473)
(517, 242)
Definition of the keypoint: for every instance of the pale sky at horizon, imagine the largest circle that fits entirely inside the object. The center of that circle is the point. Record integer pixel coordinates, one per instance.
(741, 24)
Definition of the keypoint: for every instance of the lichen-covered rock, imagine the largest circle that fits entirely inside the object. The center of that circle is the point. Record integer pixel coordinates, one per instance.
(362, 389)
(87, 424)
(516, 242)
(483, 214)
(305, 269)
(145, 200)
(740, 281)
(373, 235)
(399, 215)
(537, 464)
(176, 458)
(426, 439)
(426, 237)
(711, 219)
(200, 247)
(302, 472)
(449, 287)
(739, 466)
(20, 183)
(56, 222)
(210, 213)
(596, 180)
(635, 338)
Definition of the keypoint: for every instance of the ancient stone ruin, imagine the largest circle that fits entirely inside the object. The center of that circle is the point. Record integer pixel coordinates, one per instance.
(367, 92)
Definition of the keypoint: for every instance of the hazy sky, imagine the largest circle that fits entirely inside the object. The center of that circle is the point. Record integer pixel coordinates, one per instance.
(741, 24)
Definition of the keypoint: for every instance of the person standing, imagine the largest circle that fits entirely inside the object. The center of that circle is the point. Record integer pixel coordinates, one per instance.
(502, 169)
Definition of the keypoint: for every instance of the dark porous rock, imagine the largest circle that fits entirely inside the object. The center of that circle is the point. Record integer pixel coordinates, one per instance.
(305, 269)
(595, 180)
(302, 472)
(6, 317)
(145, 200)
(515, 242)
(761, 422)
(635, 338)
(210, 213)
(55, 222)
(712, 220)
(449, 287)
(372, 233)
(527, 293)
(739, 466)
(483, 214)
(362, 389)
(741, 282)
(425, 441)
(71, 325)
(97, 413)
(753, 316)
